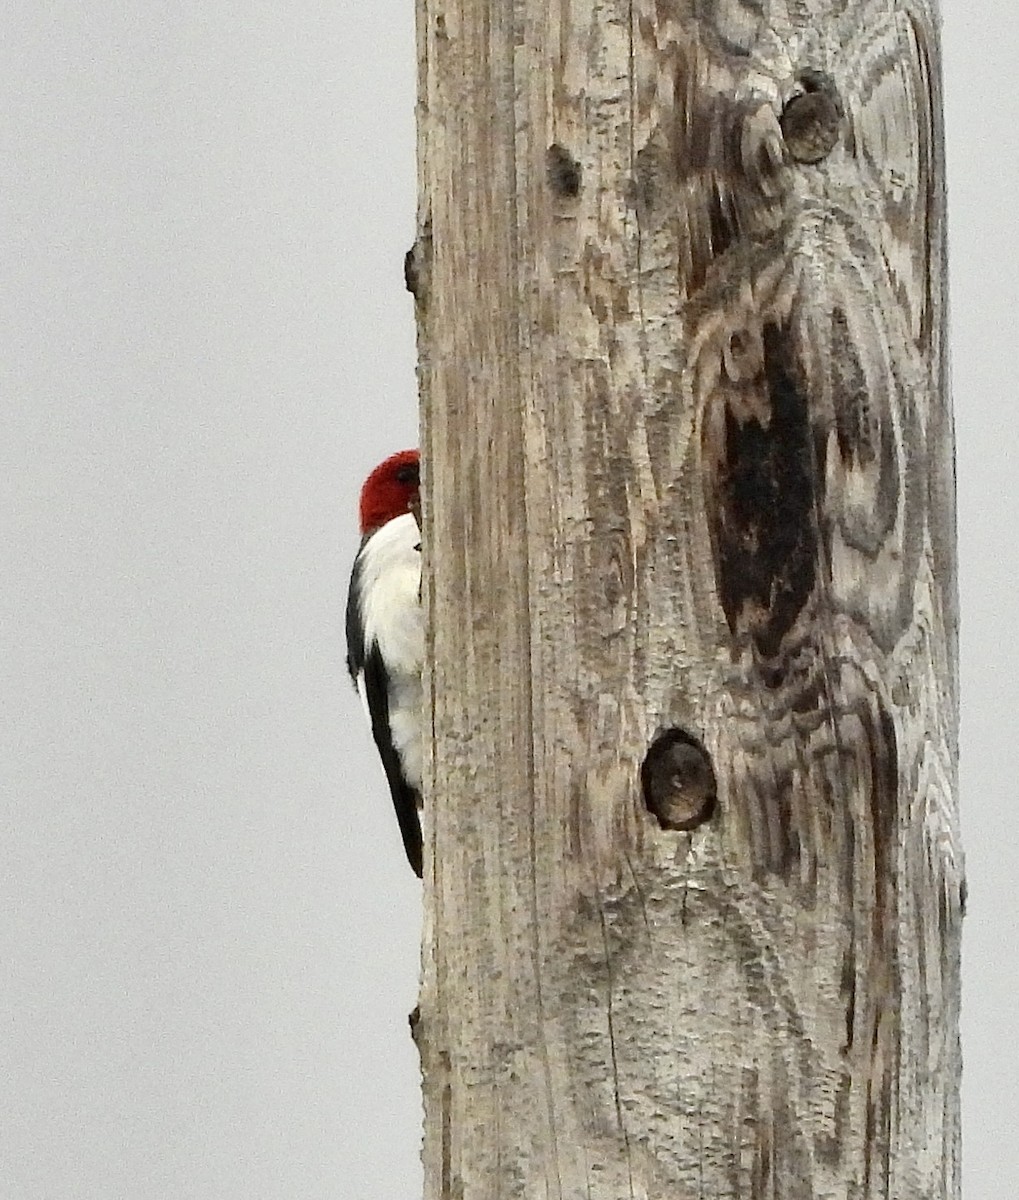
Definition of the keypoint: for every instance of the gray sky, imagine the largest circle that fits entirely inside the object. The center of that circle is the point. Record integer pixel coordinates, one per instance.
(206, 963)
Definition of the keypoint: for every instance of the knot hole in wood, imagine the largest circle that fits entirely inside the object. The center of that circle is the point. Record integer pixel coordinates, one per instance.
(812, 118)
(678, 781)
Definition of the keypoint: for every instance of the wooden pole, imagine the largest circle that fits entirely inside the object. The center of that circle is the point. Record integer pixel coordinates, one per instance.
(693, 880)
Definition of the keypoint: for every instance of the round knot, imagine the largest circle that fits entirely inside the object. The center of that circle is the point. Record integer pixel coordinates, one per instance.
(811, 120)
(678, 781)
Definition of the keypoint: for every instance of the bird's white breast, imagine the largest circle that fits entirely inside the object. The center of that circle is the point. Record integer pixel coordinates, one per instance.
(390, 587)
(390, 566)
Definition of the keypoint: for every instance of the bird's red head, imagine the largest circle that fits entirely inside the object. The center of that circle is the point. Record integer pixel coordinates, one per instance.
(392, 489)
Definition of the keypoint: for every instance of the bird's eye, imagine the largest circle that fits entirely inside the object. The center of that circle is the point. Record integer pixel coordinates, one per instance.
(408, 474)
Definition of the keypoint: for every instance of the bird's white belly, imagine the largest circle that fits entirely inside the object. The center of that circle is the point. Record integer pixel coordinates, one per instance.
(405, 700)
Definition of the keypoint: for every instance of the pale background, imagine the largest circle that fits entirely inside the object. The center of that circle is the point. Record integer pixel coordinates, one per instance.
(209, 939)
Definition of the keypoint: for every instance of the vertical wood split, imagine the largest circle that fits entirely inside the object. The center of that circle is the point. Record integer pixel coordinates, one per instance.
(688, 466)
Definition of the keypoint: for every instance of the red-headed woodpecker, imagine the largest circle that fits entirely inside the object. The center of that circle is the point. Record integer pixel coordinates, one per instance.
(386, 635)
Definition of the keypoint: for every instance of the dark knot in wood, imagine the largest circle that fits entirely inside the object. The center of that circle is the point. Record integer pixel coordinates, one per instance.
(411, 275)
(417, 263)
(812, 119)
(678, 781)
(563, 172)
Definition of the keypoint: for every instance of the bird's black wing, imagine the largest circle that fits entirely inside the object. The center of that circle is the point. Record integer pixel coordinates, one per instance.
(355, 632)
(406, 799)
(367, 662)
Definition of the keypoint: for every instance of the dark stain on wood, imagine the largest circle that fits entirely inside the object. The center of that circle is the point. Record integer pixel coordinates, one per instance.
(849, 992)
(884, 790)
(723, 221)
(768, 494)
(866, 440)
(854, 425)
(563, 172)
(882, 963)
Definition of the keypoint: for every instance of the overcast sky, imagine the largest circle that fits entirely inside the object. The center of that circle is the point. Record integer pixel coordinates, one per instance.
(210, 937)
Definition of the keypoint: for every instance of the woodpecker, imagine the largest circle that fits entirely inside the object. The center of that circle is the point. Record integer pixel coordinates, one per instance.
(385, 632)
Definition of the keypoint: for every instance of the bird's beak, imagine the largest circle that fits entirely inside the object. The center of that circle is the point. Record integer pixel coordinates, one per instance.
(414, 506)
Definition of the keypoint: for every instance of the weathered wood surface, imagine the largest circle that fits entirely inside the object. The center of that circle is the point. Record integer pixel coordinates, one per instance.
(688, 453)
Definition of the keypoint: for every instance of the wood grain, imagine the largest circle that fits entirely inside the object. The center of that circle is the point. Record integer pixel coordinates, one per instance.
(688, 465)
